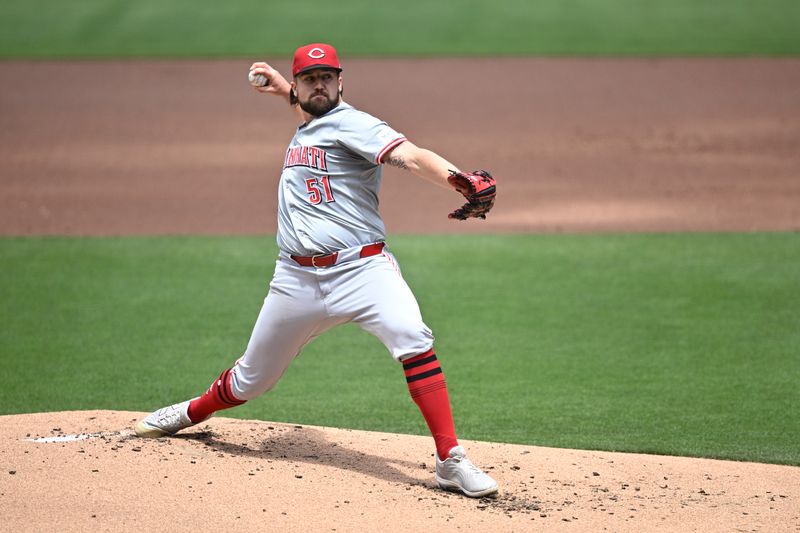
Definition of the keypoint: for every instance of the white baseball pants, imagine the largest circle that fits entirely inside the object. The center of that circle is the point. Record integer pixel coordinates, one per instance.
(304, 302)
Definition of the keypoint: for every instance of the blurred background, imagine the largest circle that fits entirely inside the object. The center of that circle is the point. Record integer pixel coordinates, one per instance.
(183, 28)
(124, 117)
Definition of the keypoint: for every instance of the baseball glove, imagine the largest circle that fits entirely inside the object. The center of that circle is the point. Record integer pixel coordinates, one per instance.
(478, 188)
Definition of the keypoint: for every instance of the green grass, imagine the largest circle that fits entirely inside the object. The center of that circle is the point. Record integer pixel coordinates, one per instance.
(257, 28)
(672, 344)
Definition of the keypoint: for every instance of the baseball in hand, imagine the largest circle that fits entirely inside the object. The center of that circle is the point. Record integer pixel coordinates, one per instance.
(257, 80)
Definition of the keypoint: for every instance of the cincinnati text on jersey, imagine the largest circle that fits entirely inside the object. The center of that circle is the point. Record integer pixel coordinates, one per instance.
(305, 156)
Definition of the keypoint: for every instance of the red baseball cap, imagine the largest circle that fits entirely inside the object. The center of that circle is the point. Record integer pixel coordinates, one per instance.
(315, 55)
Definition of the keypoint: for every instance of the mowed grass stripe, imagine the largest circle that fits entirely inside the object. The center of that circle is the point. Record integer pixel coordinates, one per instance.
(675, 344)
(250, 28)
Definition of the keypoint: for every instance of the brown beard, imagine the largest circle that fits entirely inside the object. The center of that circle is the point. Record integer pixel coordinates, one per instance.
(317, 108)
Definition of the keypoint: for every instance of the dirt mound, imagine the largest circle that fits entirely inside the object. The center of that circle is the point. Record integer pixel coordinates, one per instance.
(85, 470)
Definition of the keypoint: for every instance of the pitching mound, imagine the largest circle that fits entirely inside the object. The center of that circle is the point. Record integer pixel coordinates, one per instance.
(85, 470)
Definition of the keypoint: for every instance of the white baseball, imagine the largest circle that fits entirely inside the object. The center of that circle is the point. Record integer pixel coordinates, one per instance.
(257, 80)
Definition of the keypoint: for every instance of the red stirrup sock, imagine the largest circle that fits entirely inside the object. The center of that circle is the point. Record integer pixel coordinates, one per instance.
(217, 397)
(429, 391)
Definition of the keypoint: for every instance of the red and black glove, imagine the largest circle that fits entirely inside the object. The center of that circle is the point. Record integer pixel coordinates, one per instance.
(478, 188)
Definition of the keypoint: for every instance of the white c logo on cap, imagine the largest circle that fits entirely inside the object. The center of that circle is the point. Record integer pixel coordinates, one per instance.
(316, 53)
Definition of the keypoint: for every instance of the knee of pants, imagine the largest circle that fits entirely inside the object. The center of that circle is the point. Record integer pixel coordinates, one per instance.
(250, 381)
(405, 340)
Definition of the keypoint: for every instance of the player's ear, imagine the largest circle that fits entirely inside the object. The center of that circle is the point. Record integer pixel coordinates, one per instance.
(293, 94)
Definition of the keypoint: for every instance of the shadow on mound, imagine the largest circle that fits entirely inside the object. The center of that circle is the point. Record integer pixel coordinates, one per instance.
(308, 445)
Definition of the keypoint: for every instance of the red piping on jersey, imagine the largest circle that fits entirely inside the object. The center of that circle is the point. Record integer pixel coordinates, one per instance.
(389, 147)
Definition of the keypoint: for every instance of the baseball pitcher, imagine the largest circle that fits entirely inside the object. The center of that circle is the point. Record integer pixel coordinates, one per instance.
(334, 265)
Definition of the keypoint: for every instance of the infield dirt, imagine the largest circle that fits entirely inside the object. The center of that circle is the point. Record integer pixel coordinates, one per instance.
(155, 147)
(169, 147)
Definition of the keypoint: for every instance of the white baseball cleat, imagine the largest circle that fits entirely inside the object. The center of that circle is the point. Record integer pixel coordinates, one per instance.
(458, 473)
(166, 421)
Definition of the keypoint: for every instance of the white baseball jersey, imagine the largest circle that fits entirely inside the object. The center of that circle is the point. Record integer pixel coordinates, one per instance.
(328, 192)
(328, 201)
